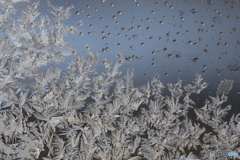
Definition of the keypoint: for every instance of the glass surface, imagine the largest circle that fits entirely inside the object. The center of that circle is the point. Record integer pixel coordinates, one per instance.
(137, 79)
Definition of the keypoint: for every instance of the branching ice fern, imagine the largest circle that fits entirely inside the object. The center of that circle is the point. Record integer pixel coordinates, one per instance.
(82, 114)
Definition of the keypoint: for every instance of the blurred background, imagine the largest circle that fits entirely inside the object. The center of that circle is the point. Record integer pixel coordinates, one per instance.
(175, 39)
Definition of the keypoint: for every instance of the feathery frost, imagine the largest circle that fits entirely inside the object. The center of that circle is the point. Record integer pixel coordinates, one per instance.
(81, 114)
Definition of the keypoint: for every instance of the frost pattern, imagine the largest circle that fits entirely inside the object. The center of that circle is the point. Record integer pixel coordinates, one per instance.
(224, 87)
(81, 114)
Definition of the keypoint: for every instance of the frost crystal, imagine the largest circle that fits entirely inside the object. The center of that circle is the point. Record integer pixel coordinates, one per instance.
(81, 114)
(224, 87)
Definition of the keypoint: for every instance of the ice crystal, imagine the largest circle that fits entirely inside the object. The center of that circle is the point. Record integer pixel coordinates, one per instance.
(81, 114)
(224, 87)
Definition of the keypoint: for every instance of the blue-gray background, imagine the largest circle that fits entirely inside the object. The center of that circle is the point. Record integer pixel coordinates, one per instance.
(177, 38)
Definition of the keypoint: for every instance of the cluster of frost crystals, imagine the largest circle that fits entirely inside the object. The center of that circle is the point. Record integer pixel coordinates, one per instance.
(81, 114)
